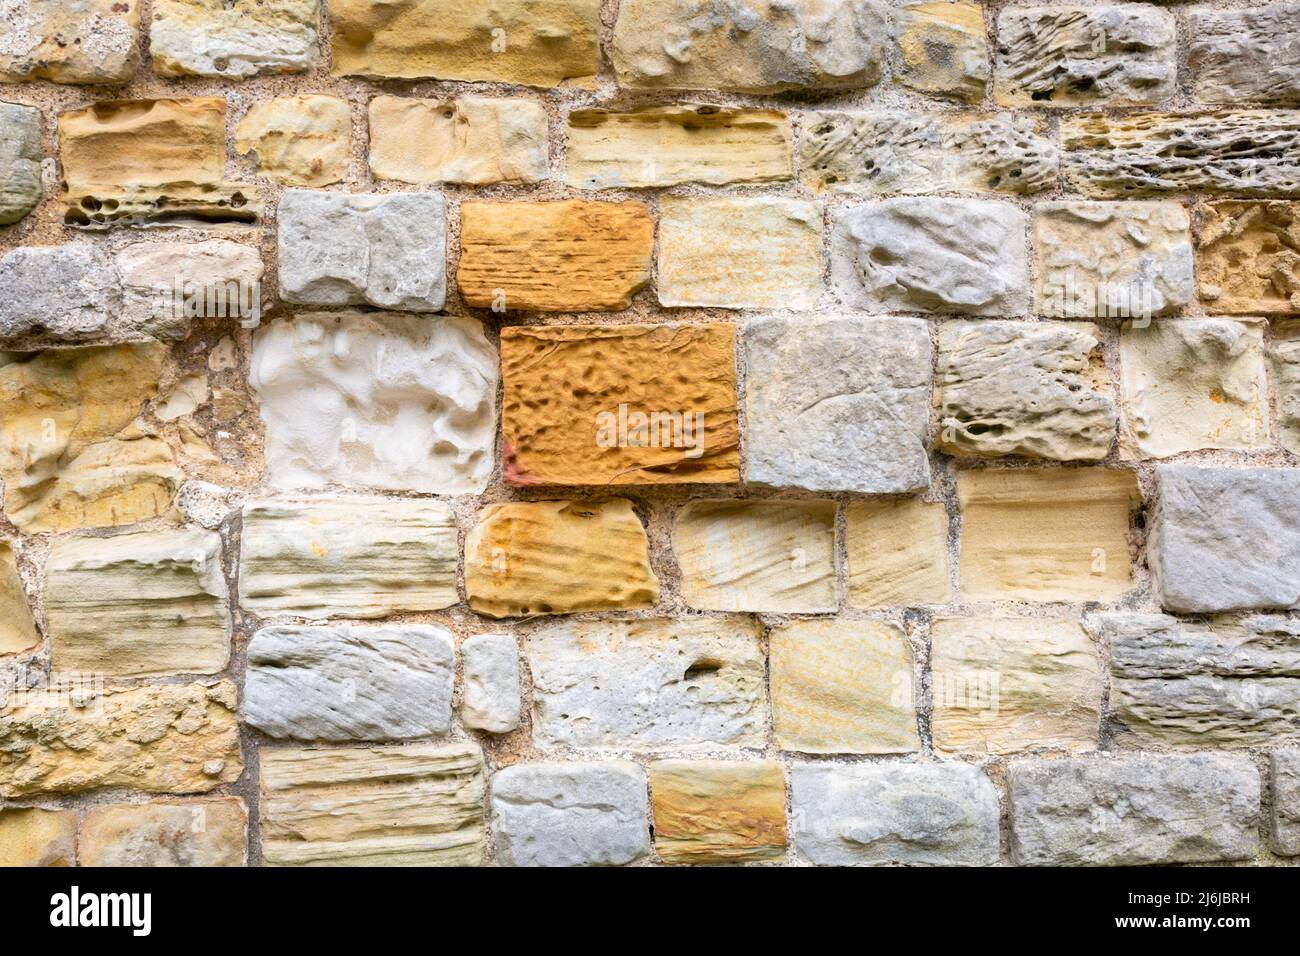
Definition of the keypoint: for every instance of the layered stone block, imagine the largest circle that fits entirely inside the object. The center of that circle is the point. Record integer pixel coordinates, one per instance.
(298, 140)
(1244, 55)
(897, 553)
(17, 627)
(1247, 258)
(193, 833)
(30, 836)
(490, 695)
(70, 41)
(22, 148)
(718, 811)
(942, 49)
(233, 39)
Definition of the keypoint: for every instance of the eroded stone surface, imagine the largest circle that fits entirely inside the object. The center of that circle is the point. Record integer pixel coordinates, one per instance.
(1248, 257)
(490, 695)
(165, 284)
(1285, 354)
(1286, 802)
(17, 628)
(69, 41)
(21, 151)
(68, 292)
(942, 49)
(298, 140)
(30, 836)
(1245, 55)
(558, 557)
(838, 404)
(233, 38)
(193, 833)
(718, 811)
(897, 552)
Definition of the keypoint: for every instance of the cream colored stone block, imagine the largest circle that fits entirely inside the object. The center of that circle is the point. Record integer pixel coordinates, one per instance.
(898, 553)
(30, 836)
(298, 140)
(17, 628)
(193, 833)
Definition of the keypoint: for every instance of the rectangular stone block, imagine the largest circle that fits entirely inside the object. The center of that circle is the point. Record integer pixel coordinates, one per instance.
(194, 833)
(942, 49)
(718, 811)
(22, 147)
(17, 627)
(1285, 767)
(415, 805)
(1245, 55)
(1284, 350)
(30, 836)
(648, 684)
(298, 140)
(349, 557)
(1046, 535)
(233, 39)
(626, 404)
(897, 553)
(490, 697)
(1246, 258)
(70, 41)
(668, 145)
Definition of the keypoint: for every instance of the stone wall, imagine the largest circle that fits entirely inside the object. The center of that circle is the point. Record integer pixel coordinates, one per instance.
(649, 431)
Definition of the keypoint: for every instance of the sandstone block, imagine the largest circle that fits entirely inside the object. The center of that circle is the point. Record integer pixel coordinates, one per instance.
(21, 150)
(170, 738)
(298, 140)
(530, 42)
(382, 249)
(763, 47)
(898, 553)
(931, 255)
(718, 811)
(648, 684)
(351, 557)
(1034, 389)
(1248, 257)
(558, 557)
(669, 145)
(30, 837)
(1285, 354)
(842, 686)
(838, 404)
(1046, 535)
(625, 404)
(1225, 539)
(69, 41)
(233, 39)
(1286, 802)
(774, 556)
(17, 628)
(566, 256)
(166, 284)
(570, 814)
(1245, 55)
(895, 813)
(942, 49)
(1133, 810)
(67, 293)
(350, 683)
(475, 140)
(413, 805)
(194, 833)
(490, 696)
(377, 400)
(748, 253)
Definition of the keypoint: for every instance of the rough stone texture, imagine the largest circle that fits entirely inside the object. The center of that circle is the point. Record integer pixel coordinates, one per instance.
(942, 49)
(475, 140)
(1250, 153)
(1285, 354)
(385, 250)
(1107, 259)
(30, 836)
(752, 253)
(931, 255)
(138, 605)
(895, 151)
(570, 814)
(21, 151)
(718, 811)
(895, 813)
(669, 145)
(1286, 802)
(413, 805)
(1225, 539)
(194, 833)
(1240, 56)
(350, 683)
(765, 46)
(897, 553)
(558, 557)
(352, 557)
(769, 556)
(1248, 257)
(17, 628)
(567, 256)
(1133, 810)
(1193, 384)
(1046, 535)
(149, 162)
(233, 38)
(1081, 56)
(648, 684)
(1190, 683)
(164, 283)
(838, 404)
(69, 41)
(170, 738)
(73, 455)
(66, 293)
(1005, 685)
(1038, 390)
(298, 140)
(490, 697)
(547, 42)
(377, 400)
(625, 404)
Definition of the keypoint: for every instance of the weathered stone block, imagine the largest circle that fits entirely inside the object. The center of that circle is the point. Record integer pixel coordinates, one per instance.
(718, 811)
(897, 552)
(1046, 535)
(838, 404)
(68, 292)
(382, 249)
(377, 400)
(841, 686)
(750, 253)
(194, 833)
(233, 39)
(1248, 257)
(570, 814)
(350, 683)
(1284, 351)
(351, 557)
(298, 140)
(1133, 810)
(69, 41)
(1286, 802)
(1035, 389)
(490, 696)
(942, 49)
(412, 805)
(30, 837)
(167, 284)
(648, 684)
(625, 404)
(21, 150)
(895, 813)
(1245, 55)
(17, 628)
(773, 556)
